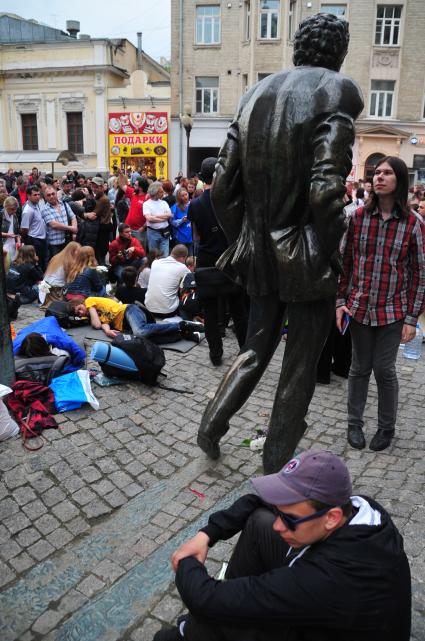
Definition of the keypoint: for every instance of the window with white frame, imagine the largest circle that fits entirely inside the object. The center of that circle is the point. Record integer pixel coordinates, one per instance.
(247, 20)
(387, 30)
(339, 10)
(291, 19)
(207, 25)
(381, 98)
(206, 95)
(269, 19)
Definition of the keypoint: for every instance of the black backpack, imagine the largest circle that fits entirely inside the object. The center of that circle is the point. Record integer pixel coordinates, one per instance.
(40, 369)
(189, 300)
(149, 358)
(60, 310)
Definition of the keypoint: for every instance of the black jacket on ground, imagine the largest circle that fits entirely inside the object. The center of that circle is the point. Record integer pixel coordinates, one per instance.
(353, 586)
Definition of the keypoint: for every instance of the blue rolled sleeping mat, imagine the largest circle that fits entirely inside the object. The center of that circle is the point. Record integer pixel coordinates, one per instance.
(107, 354)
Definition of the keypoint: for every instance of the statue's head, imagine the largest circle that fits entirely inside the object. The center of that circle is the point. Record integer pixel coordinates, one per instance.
(321, 41)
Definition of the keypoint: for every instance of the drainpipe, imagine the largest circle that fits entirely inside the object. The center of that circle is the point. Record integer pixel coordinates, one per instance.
(181, 25)
(139, 50)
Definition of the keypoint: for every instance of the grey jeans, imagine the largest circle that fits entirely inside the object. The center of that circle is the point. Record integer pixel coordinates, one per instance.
(374, 349)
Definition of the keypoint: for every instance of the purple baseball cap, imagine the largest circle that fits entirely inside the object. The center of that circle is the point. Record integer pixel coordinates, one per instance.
(318, 475)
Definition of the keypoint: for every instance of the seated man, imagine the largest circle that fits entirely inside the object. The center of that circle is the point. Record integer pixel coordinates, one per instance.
(125, 251)
(162, 296)
(114, 317)
(313, 563)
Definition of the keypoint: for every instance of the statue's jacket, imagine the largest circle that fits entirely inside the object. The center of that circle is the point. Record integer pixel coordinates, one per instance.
(280, 182)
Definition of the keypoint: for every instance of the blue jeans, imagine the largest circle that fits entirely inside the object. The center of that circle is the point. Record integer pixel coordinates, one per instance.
(118, 269)
(163, 332)
(157, 241)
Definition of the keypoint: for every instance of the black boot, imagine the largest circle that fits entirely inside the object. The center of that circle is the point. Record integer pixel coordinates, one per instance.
(356, 437)
(381, 440)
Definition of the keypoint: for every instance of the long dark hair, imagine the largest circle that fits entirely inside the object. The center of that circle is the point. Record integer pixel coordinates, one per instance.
(33, 345)
(402, 189)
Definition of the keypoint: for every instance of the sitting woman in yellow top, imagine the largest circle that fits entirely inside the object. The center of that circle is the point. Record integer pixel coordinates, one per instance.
(114, 317)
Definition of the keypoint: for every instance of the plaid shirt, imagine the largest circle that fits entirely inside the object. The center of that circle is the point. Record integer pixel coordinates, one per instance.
(384, 268)
(56, 236)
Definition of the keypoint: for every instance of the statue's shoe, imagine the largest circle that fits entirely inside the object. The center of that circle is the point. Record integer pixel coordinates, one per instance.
(211, 449)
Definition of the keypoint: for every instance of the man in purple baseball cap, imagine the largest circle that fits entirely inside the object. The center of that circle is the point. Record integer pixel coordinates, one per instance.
(312, 563)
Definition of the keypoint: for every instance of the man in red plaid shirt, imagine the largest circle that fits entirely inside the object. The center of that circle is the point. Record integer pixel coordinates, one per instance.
(382, 293)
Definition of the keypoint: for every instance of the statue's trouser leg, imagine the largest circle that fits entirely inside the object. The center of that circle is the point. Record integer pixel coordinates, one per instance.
(308, 328)
(264, 333)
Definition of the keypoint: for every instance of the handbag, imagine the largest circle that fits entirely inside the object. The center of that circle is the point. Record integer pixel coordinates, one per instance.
(68, 234)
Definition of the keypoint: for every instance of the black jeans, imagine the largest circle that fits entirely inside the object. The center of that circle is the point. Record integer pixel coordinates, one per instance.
(374, 349)
(258, 550)
(55, 249)
(212, 319)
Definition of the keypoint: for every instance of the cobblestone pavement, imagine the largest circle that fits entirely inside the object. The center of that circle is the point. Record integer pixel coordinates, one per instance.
(88, 523)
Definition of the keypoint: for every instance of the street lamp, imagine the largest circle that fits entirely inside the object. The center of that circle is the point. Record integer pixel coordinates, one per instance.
(187, 122)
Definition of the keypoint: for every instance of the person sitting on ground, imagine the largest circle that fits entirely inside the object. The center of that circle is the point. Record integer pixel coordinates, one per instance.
(162, 297)
(312, 562)
(114, 317)
(24, 275)
(57, 272)
(181, 227)
(129, 292)
(145, 269)
(83, 279)
(125, 251)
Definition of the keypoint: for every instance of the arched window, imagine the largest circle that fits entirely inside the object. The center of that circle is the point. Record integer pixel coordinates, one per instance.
(370, 165)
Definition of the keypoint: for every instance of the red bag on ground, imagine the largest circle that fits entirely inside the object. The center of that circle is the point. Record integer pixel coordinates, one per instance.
(33, 405)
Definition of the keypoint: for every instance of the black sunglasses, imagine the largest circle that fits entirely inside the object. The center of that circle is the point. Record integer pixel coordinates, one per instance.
(291, 523)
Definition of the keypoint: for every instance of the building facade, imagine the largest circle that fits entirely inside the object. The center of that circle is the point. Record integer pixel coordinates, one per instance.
(58, 88)
(221, 48)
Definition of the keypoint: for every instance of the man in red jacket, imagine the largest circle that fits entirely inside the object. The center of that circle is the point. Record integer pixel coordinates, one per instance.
(124, 251)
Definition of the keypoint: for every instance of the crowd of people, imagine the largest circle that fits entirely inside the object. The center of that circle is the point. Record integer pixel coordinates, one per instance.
(153, 242)
(126, 239)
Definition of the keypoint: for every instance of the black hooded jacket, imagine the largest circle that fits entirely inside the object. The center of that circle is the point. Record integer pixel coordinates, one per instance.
(353, 586)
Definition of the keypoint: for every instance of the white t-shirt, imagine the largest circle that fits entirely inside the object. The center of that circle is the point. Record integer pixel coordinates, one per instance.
(154, 208)
(165, 278)
(143, 280)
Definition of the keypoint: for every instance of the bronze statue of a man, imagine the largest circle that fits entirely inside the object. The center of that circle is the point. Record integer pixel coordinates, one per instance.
(278, 195)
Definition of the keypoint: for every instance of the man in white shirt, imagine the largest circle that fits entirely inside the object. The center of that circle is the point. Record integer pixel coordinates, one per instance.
(33, 228)
(157, 214)
(166, 275)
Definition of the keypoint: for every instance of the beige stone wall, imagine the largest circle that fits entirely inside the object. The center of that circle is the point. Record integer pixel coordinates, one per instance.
(53, 79)
(364, 62)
